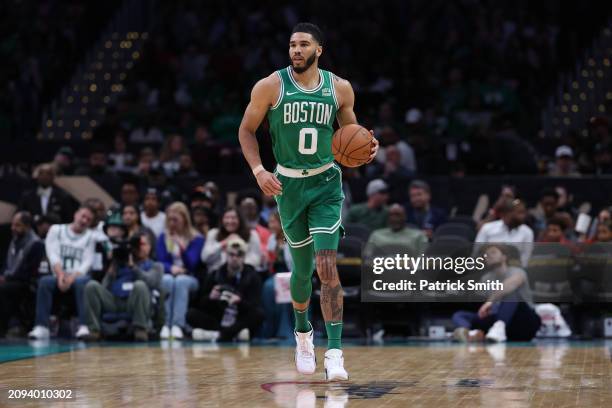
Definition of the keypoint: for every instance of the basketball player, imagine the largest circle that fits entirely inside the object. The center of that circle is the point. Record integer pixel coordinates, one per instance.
(301, 102)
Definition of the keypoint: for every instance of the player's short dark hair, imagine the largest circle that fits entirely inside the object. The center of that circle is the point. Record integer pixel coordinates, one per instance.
(311, 29)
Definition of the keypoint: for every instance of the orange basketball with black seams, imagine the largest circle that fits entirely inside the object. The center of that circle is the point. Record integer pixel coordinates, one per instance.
(351, 145)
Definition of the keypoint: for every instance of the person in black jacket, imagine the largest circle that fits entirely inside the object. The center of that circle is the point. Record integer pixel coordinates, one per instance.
(46, 198)
(25, 252)
(230, 305)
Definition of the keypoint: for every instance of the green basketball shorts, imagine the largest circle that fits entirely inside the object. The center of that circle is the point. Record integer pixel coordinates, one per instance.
(310, 209)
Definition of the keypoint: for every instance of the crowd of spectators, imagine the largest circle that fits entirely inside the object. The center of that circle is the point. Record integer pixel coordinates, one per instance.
(194, 252)
(449, 88)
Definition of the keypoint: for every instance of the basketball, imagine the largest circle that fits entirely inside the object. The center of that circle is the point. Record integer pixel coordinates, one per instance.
(351, 145)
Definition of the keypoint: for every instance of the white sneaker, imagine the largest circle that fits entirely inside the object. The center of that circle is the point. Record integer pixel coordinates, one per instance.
(497, 332)
(244, 335)
(334, 365)
(305, 358)
(82, 332)
(39, 333)
(176, 333)
(164, 334)
(205, 335)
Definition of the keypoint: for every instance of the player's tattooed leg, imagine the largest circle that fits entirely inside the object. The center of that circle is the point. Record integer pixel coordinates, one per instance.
(331, 290)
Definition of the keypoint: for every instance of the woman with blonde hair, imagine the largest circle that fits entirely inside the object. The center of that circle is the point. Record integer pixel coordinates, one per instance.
(178, 249)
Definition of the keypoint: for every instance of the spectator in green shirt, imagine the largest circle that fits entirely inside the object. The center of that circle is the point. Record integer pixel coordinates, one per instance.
(372, 213)
(399, 234)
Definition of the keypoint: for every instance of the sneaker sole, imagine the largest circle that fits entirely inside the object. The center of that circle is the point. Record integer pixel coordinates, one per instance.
(335, 379)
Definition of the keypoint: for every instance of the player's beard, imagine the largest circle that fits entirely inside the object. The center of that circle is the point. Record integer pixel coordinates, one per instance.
(307, 63)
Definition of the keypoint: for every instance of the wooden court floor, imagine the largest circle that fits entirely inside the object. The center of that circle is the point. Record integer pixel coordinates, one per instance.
(203, 375)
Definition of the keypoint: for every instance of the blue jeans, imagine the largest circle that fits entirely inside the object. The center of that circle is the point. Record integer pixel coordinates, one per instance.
(47, 287)
(177, 288)
(522, 322)
(277, 321)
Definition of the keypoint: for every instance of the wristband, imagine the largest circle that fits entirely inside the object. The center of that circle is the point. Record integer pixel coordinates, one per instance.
(258, 169)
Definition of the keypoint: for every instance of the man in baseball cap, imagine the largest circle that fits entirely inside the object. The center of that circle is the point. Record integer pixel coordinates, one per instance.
(564, 163)
(372, 213)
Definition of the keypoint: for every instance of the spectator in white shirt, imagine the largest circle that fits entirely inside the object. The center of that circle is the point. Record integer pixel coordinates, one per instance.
(510, 229)
(70, 250)
(152, 217)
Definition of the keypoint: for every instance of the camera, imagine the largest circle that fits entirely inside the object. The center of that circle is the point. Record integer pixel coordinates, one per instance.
(226, 290)
(123, 247)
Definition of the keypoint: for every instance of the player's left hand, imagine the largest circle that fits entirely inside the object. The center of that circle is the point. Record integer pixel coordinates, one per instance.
(374, 148)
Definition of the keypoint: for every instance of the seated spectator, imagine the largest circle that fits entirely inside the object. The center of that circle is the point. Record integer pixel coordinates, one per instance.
(391, 170)
(151, 216)
(508, 314)
(99, 171)
(232, 225)
(604, 214)
(130, 194)
(420, 212)
(131, 220)
(146, 161)
(510, 228)
(507, 193)
(404, 152)
(555, 231)
(398, 233)
(547, 209)
(42, 224)
(63, 161)
(372, 213)
(99, 213)
(202, 219)
(23, 258)
(249, 209)
(231, 302)
(185, 170)
(47, 198)
(202, 197)
(178, 249)
(170, 153)
(121, 159)
(126, 287)
(70, 249)
(277, 321)
(564, 163)
(604, 232)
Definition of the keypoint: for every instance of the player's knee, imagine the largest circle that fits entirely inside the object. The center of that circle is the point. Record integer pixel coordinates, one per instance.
(326, 267)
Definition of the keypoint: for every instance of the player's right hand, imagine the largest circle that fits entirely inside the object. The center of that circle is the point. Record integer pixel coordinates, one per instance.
(268, 183)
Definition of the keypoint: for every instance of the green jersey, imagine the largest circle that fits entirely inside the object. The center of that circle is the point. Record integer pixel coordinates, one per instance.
(301, 122)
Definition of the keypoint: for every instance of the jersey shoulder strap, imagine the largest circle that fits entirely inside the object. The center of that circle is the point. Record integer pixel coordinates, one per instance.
(281, 91)
(329, 78)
